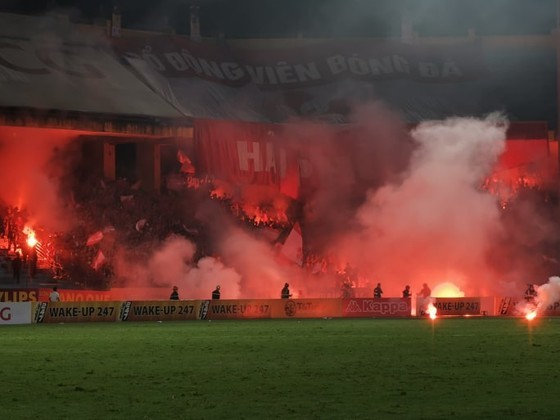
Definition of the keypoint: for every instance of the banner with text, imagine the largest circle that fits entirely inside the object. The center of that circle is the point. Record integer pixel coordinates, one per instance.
(38, 74)
(235, 309)
(70, 295)
(384, 307)
(19, 295)
(54, 312)
(15, 313)
(457, 306)
(325, 79)
(517, 306)
(306, 308)
(160, 310)
(246, 153)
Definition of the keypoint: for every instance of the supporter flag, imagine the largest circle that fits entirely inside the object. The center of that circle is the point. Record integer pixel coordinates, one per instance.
(293, 247)
(186, 164)
(95, 238)
(140, 224)
(98, 261)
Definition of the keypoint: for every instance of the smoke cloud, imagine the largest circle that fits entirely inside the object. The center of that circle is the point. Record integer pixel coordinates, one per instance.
(30, 176)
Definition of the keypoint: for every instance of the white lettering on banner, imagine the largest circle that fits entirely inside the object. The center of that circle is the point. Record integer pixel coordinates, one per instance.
(245, 155)
(232, 71)
(286, 73)
(5, 314)
(15, 313)
(270, 159)
(431, 70)
(176, 61)
(359, 66)
(261, 164)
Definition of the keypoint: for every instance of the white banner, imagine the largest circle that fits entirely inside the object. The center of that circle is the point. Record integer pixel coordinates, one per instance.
(73, 78)
(15, 313)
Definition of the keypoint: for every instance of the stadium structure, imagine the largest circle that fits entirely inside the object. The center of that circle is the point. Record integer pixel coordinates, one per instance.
(239, 121)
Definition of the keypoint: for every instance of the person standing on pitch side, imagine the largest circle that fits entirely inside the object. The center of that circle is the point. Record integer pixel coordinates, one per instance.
(285, 293)
(378, 291)
(174, 294)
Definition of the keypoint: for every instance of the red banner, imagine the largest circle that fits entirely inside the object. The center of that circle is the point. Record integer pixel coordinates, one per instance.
(246, 154)
(69, 295)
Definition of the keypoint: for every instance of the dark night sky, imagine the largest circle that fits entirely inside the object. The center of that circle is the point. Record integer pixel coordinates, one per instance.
(321, 18)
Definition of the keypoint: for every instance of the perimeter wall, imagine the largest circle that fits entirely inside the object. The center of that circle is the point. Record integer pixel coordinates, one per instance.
(34, 311)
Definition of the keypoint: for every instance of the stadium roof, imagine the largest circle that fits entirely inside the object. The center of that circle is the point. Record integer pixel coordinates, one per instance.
(48, 63)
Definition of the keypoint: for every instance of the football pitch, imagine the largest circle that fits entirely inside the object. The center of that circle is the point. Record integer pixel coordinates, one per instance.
(466, 368)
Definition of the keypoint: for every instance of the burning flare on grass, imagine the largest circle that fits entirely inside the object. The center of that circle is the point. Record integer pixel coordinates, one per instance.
(531, 315)
(431, 310)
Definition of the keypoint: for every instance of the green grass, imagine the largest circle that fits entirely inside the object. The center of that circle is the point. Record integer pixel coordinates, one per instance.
(309, 369)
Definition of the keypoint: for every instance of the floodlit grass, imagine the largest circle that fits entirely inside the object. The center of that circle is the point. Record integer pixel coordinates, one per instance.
(309, 369)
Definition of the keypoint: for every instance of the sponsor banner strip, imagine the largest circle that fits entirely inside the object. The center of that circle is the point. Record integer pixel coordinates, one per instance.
(19, 295)
(158, 310)
(55, 312)
(15, 313)
(383, 307)
(457, 306)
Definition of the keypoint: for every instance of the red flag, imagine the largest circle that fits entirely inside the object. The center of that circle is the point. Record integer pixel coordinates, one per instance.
(95, 238)
(98, 261)
(293, 247)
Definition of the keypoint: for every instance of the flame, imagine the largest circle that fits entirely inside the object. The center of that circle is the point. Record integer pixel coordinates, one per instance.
(31, 238)
(431, 311)
(531, 315)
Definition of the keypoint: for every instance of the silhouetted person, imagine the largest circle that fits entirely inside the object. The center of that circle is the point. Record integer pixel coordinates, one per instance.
(216, 293)
(54, 295)
(425, 292)
(406, 293)
(16, 267)
(530, 293)
(347, 291)
(175, 293)
(33, 260)
(378, 291)
(285, 293)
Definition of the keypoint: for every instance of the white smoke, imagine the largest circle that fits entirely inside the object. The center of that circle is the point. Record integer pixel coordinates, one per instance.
(437, 218)
(548, 294)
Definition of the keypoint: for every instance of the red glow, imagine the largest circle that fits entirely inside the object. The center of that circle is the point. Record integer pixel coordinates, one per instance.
(31, 239)
(447, 289)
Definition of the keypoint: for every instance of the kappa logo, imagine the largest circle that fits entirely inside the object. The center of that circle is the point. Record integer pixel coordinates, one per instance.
(203, 311)
(290, 308)
(40, 312)
(125, 310)
(353, 306)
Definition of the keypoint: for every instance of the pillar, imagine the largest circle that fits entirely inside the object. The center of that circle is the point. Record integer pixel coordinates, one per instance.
(148, 165)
